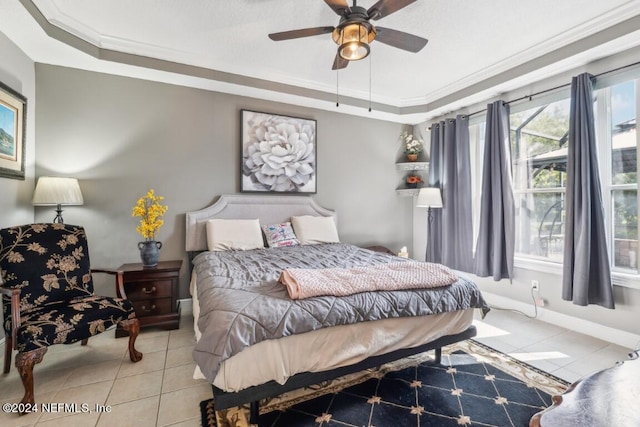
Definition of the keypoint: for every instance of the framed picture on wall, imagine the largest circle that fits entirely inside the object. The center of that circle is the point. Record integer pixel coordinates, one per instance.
(278, 153)
(13, 112)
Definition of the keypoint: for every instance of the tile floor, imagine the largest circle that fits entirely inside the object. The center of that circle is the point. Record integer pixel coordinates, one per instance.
(160, 391)
(157, 391)
(554, 349)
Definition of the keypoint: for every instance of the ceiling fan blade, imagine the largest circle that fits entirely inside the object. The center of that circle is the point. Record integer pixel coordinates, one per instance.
(295, 34)
(339, 63)
(386, 7)
(399, 39)
(338, 6)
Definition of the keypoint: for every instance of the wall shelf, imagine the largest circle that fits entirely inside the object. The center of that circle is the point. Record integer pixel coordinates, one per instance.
(412, 166)
(420, 168)
(407, 192)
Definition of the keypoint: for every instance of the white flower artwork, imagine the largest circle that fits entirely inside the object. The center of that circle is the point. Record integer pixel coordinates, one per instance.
(278, 153)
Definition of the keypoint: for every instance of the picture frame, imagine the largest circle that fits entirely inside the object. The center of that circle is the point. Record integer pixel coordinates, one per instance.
(13, 115)
(278, 153)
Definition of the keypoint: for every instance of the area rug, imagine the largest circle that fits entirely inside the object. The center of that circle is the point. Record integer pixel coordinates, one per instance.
(474, 385)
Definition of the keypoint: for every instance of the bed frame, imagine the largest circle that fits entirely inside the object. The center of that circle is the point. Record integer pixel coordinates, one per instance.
(270, 210)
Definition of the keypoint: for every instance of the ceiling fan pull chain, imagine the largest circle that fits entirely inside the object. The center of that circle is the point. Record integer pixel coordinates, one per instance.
(369, 82)
(337, 88)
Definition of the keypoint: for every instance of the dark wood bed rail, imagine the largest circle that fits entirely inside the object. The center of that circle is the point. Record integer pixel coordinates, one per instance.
(253, 395)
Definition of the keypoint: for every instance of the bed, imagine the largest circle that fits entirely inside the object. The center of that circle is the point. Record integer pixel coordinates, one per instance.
(304, 345)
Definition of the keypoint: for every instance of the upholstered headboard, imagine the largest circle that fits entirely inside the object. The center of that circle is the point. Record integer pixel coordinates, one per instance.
(268, 209)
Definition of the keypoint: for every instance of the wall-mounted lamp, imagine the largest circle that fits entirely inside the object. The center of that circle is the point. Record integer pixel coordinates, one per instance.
(56, 191)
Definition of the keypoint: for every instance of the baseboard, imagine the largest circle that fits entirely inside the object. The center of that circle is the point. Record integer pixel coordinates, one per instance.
(186, 306)
(587, 327)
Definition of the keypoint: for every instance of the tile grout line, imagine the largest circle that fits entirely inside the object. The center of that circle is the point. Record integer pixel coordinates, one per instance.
(122, 359)
(164, 369)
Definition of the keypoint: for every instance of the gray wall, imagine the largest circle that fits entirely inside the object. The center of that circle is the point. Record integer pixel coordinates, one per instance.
(18, 72)
(121, 136)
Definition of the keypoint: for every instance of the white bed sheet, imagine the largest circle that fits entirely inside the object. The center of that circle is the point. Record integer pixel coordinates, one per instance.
(327, 348)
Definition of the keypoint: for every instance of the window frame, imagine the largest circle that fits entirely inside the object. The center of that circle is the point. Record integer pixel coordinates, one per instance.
(620, 276)
(518, 192)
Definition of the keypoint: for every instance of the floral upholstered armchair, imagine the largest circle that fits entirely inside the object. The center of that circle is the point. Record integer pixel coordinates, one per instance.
(47, 296)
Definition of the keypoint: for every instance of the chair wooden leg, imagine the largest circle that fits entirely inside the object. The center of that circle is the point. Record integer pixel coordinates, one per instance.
(8, 347)
(133, 327)
(84, 341)
(25, 363)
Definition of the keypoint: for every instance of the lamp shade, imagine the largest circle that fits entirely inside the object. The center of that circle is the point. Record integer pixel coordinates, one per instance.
(429, 197)
(52, 190)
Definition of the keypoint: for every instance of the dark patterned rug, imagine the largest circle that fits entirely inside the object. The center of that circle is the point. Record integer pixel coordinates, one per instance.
(473, 386)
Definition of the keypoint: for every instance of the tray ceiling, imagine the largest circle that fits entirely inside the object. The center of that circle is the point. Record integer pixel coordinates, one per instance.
(478, 47)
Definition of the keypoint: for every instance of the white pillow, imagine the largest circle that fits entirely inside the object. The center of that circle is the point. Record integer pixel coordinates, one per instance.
(312, 230)
(234, 234)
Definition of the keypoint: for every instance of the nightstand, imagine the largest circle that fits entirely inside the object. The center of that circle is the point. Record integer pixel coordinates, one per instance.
(154, 294)
(382, 249)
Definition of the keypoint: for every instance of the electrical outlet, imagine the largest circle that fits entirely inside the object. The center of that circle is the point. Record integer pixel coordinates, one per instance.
(535, 285)
(539, 302)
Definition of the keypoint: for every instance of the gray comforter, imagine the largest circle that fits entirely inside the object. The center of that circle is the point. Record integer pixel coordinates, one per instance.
(242, 303)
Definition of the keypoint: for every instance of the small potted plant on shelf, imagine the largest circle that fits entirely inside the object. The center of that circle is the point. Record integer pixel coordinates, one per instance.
(412, 181)
(412, 146)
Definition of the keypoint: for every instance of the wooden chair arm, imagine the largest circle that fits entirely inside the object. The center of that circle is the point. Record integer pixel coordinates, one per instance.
(15, 312)
(119, 279)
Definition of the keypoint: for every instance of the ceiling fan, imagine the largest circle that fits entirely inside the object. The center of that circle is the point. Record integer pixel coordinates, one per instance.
(355, 32)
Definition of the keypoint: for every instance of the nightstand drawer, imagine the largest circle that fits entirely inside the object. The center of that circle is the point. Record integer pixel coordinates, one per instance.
(149, 289)
(153, 293)
(152, 307)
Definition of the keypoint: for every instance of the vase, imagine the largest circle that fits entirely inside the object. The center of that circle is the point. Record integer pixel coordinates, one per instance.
(149, 252)
(412, 185)
(412, 157)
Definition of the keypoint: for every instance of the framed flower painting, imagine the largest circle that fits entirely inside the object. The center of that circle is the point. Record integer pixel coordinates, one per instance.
(278, 153)
(13, 111)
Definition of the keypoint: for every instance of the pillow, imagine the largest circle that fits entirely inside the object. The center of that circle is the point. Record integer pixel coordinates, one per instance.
(312, 230)
(280, 235)
(234, 234)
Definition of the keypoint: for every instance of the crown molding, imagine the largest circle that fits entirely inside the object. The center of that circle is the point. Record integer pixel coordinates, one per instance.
(545, 56)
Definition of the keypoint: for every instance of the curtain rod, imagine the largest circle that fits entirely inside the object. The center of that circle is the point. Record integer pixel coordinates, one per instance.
(529, 97)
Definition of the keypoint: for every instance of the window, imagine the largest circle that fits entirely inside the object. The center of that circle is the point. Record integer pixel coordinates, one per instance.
(539, 139)
(476, 153)
(617, 131)
(539, 155)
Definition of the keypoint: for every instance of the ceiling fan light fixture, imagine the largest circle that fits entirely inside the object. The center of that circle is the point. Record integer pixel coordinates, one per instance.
(353, 40)
(353, 51)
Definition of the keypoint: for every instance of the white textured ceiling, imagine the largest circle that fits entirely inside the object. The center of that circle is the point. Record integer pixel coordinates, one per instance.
(225, 47)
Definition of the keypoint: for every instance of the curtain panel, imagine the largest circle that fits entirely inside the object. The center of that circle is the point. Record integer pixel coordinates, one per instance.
(586, 277)
(434, 238)
(496, 238)
(451, 239)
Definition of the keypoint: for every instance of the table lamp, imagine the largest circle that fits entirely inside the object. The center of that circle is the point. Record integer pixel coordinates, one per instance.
(57, 191)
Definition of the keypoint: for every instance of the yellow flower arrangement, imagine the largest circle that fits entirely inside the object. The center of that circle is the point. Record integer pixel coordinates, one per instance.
(150, 211)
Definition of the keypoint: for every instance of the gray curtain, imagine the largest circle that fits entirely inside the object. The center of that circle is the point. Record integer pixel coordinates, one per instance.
(451, 239)
(434, 238)
(586, 277)
(496, 238)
